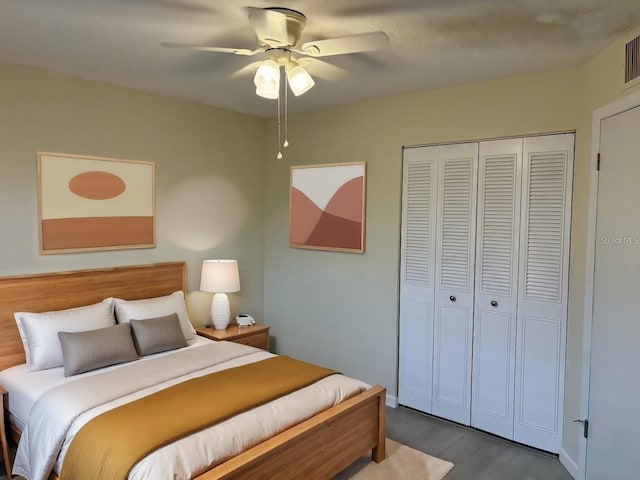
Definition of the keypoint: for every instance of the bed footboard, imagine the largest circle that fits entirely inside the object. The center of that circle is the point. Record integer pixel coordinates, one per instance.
(318, 448)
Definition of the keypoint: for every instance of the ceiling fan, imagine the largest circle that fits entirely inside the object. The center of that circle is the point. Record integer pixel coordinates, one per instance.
(278, 31)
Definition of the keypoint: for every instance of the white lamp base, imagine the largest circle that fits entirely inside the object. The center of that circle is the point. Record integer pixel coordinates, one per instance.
(220, 312)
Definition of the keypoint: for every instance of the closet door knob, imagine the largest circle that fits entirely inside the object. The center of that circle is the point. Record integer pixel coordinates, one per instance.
(452, 298)
(494, 303)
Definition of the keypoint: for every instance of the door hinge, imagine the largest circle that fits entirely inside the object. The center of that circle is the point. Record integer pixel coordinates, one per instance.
(598, 163)
(585, 427)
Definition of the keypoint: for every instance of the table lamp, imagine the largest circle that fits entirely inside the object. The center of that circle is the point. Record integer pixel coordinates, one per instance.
(220, 277)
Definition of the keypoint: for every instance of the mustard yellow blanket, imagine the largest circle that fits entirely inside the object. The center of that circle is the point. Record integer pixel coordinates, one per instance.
(110, 445)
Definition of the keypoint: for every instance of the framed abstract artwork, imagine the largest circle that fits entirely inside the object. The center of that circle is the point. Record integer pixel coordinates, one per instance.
(327, 207)
(93, 203)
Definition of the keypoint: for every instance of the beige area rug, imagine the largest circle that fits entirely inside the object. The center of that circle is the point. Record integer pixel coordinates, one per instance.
(402, 463)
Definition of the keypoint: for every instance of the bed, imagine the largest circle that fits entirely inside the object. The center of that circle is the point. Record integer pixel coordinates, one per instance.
(318, 447)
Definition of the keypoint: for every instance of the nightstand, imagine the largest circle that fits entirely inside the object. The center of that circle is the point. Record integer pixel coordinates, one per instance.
(255, 336)
(3, 434)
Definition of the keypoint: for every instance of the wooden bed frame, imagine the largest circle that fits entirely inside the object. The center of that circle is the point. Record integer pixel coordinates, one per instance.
(317, 448)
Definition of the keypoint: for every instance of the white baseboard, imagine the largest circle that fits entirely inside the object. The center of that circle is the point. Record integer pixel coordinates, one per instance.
(392, 401)
(568, 463)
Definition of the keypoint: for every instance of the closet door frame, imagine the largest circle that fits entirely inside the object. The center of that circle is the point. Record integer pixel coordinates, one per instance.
(440, 297)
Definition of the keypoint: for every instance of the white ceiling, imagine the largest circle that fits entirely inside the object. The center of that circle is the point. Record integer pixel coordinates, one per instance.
(433, 43)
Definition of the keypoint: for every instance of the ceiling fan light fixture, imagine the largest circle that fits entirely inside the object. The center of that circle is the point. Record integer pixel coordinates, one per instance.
(299, 79)
(267, 79)
(270, 93)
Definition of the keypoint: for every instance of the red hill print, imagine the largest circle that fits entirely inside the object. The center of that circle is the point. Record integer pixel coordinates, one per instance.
(338, 226)
(347, 202)
(304, 217)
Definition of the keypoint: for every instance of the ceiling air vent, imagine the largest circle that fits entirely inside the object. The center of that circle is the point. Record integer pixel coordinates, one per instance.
(632, 60)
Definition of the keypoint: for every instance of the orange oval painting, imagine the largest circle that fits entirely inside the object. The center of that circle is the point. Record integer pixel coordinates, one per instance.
(97, 185)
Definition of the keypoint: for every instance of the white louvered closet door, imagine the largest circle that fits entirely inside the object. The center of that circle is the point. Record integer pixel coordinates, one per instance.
(542, 290)
(496, 298)
(417, 277)
(455, 254)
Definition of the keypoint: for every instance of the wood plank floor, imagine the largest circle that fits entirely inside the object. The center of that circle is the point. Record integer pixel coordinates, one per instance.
(476, 455)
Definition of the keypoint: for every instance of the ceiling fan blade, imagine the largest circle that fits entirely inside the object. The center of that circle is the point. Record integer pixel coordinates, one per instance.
(321, 69)
(365, 42)
(205, 48)
(269, 25)
(247, 70)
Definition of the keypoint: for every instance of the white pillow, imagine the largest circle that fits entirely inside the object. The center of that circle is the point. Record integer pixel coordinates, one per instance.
(39, 331)
(156, 307)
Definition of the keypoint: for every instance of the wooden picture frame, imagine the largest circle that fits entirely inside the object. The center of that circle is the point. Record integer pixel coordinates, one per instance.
(88, 203)
(327, 207)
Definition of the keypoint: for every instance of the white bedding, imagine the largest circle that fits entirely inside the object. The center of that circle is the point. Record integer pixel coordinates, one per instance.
(26, 387)
(183, 459)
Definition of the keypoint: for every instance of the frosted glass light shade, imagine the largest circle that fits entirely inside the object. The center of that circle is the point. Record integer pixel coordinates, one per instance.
(271, 94)
(299, 79)
(220, 277)
(267, 79)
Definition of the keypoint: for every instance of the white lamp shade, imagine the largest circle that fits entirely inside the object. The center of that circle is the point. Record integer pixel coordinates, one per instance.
(299, 79)
(267, 79)
(220, 276)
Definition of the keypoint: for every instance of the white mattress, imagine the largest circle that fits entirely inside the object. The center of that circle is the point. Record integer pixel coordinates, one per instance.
(26, 387)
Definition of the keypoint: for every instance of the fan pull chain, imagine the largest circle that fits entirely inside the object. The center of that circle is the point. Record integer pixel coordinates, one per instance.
(279, 156)
(286, 116)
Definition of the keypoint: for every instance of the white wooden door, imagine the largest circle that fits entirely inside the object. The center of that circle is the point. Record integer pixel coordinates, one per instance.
(496, 284)
(543, 289)
(613, 445)
(417, 277)
(455, 256)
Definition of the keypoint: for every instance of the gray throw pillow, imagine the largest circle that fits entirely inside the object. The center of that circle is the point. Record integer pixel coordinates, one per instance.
(154, 335)
(85, 351)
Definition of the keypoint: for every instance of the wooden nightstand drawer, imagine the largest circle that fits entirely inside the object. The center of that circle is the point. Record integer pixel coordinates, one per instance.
(259, 340)
(256, 336)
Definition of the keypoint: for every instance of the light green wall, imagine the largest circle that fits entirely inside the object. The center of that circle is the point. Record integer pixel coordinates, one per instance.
(209, 173)
(341, 309)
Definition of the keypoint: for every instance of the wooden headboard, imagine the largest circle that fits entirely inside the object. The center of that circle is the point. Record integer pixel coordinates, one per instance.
(57, 291)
